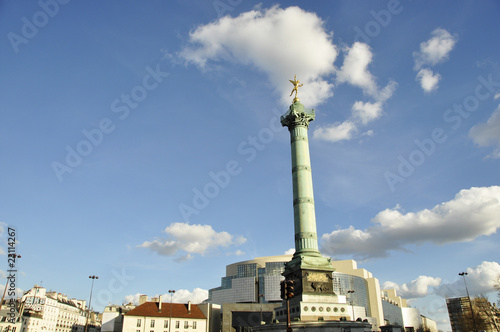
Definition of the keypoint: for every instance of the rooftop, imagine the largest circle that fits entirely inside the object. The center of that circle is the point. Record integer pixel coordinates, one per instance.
(179, 310)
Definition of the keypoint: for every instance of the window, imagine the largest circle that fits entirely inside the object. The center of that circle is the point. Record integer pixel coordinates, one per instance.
(165, 323)
(139, 322)
(177, 324)
(194, 325)
(186, 324)
(152, 323)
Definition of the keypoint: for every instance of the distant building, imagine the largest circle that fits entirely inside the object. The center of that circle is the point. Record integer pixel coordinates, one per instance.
(157, 316)
(486, 315)
(10, 320)
(112, 317)
(51, 311)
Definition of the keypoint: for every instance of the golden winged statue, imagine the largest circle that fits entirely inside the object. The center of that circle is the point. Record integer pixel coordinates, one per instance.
(296, 86)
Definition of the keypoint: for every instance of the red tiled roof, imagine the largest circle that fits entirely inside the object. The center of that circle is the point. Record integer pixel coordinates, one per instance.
(179, 310)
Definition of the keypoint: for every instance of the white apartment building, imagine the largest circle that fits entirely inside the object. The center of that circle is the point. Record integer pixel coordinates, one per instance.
(44, 311)
(157, 316)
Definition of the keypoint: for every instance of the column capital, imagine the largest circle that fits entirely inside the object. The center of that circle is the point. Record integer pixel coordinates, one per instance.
(297, 116)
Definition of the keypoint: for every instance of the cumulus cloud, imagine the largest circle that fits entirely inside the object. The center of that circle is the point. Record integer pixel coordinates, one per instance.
(198, 295)
(435, 50)
(486, 134)
(415, 288)
(481, 279)
(290, 251)
(428, 80)
(190, 239)
(336, 132)
(355, 68)
(432, 52)
(270, 41)
(354, 71)
(472, 213)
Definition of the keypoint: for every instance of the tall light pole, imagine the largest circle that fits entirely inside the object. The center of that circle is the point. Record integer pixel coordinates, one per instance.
(463, 274)
(352, 303)
(171, 291)
(90, 301)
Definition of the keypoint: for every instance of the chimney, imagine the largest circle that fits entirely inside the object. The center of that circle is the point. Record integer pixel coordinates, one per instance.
(143, 299)
(189, 307)
(159, 303)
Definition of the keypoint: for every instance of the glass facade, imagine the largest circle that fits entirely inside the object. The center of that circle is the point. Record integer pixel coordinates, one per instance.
(343, 283)
(253, 282)
(247, 270)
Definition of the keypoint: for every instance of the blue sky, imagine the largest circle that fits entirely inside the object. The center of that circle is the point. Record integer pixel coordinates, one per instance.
(140, 142)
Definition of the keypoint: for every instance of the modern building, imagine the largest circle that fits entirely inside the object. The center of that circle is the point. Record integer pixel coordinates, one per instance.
(250, 291)
(486, 316)
(253, 281)
(51, 311)
(158, 316)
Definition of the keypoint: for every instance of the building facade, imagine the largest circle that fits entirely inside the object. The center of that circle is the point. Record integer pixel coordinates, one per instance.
(112, 317)
(10, 320)
(485, 316)
(253, 281)
(251, 289)
(157, 316)
(44, 311)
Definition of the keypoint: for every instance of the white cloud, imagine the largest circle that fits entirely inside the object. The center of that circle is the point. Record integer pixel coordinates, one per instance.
(271, 41)
(428, 80)
(191, 239)
(415, 288)
(355, 71)
(290, 251)
(336, 132)
(480, 280)
(435, 50)
(472, 213)
(355, 68)
(268, 40)
(485, 134)
(198, 295)
(366, 112)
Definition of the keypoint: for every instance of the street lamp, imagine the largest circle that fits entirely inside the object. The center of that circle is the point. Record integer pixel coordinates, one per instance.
(463, 274)
(352, 303)
(90, 301)
(171, 291)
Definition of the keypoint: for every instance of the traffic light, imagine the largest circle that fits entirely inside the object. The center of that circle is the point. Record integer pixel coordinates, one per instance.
(290, 288)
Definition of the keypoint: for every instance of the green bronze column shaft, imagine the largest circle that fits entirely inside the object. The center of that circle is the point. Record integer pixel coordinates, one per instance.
(297, 120)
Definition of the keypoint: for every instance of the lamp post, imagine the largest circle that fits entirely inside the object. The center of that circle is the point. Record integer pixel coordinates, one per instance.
(463, 274)
(171, 291)
(352, 303)
(90, 301)
(261, 298)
